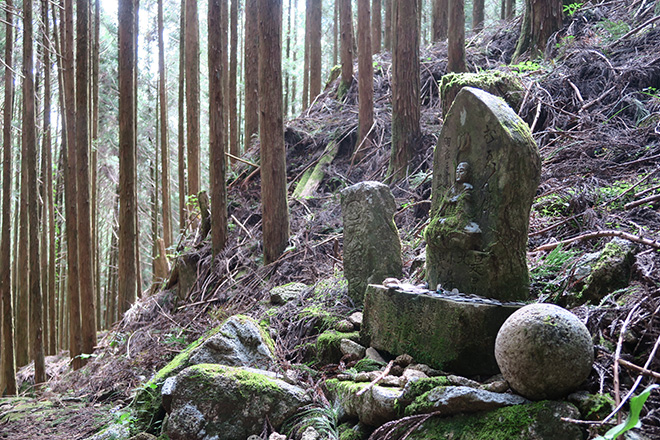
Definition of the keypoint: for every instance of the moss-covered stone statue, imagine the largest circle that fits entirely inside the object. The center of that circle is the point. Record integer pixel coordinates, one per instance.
(486, 170)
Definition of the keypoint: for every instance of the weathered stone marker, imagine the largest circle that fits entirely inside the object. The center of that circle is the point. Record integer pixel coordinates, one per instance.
(372, 249)
(486, 170)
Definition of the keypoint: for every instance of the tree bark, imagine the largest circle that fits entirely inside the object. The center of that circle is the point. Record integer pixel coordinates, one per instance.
(335, 32)
(346, 19)
(164, 134)
(388, 25)
(8, 363)
(315, 50)
(541, 19)
(192, 95)
(365, 75)
(405, 87)
(216, 122)
(29, 140)
(456, 38)
(439, 20)
(376, 25)
(251, 65)
(273, 167)
(477, 15)
(183, 190)
(305, 89)
(510, 9)
(127, 283)
(94, 164)
(234, 129)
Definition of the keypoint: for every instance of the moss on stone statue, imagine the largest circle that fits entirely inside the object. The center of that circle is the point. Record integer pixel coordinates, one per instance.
(496, 82)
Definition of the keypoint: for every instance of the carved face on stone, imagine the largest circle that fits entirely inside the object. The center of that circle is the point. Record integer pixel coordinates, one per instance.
(462, 172)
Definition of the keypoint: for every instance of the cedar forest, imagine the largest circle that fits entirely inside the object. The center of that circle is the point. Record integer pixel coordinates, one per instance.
(113, 187)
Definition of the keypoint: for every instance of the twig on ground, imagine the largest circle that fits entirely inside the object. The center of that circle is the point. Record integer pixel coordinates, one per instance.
(380, 377)
(637, 29)
(639, 369)
(645, 200)
(617, 355)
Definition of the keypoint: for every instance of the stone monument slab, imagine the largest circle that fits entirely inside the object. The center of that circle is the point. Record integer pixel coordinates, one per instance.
(486, 170)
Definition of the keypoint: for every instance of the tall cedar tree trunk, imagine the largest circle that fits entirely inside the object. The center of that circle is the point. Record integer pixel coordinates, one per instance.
(164, 135)
(22, 276)
(346, 19)
(70, 183)
(183, 190)
(287, 57)
(477, 15)
(541, 19)
(192, 95)
(405, 87)
(456, 38)
(510, 9)
(365, 76)
(217, 46)
(29, 139)
(127, 283)
(305, 90)
(439, 20)
(315, 49)
(387, 38)
(335, 31)
(94, 165)
(7, 361)
(294, 59)
(224, 62)
(47, 178)
(85, 248)
(251, 67)
(273, 166)
(234, 129)
(376, 25)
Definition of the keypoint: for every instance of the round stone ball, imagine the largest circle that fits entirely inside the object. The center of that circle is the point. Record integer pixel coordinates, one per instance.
(544, 351)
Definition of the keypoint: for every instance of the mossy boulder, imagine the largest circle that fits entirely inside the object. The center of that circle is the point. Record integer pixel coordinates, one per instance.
(538, 421)
(505, 85)
(486, 169)
(375, 406)
(328, 345)
(231, 403)
(461, 399)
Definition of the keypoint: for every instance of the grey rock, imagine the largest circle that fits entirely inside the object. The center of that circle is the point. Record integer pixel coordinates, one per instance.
(462, 381)
(486, 169)
(430, 372)
(355, 318)
(497, 386)
(374, 407)
(229, 402)
(276, 436)
(166, 392)
(344, 326)
(112, 432)
(544, 351)
(372, 248)
(349, 347)
(288, 292)
(240, 343)
(310, 434)
(412, 374)
(461, 399)
(373, 354)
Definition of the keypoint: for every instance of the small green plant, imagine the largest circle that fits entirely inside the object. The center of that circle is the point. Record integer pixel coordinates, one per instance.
(322, 418)
(651, 91)
(526, 66)
(572, 8)
(615, 29)
(566, 41)
(632, 421)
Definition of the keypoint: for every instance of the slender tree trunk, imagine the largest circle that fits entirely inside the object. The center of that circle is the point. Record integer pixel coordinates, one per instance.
(335, 31)
(95, 138)
(234, 129)
(346, 18)
(387, 40)
(315, 50)
(305, 90)
(510, 9)
(295, 56)
(477, 15)
(456, 38)
(7, 361)
(273, 166)
(251, 67)
(217, 46)
(192, 95)
(183, 190)
(29, 139)
(127, 284)
(287, 73)
(440, 20)
(365, 75)
(22, 276)
(405, 87)
(376, 25)
(164, 134)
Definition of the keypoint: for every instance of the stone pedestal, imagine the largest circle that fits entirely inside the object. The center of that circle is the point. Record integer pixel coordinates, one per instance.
(455, 335)
(486, 169)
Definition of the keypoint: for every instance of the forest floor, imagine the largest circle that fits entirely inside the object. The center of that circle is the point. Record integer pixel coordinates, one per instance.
(594, 106)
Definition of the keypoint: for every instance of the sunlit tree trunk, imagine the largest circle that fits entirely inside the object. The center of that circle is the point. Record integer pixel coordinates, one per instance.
(7, 360)
(251, 68)
(192, 95)
(405, 87)
(164, 134)
(456, 37)
(273, 166)
(217, 46)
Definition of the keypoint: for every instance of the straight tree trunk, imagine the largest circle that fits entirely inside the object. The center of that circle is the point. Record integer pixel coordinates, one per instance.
(335, 32)
(29, 139)
(234, 130)
(7, 360)
(183, 190)
(456, 38)
(127, 284)
(376, 26)
(440, 20)
(22, 276)
(192, 95)
(315, 60)
(85, 247)
(388, 25)
(164, 134)
(346, 18)
(477, 15)
(510, 9)
(273, 167)
(308, 20)
(251, 67)
(541, 19)
(224, 25)
(217, 46)
(287, 56)
(365, 75)
(94, 165)
(295, 56)
(405, 87)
